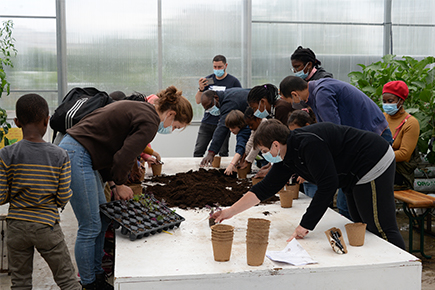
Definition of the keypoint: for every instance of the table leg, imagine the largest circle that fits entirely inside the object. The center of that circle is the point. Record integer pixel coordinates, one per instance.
(413, 216)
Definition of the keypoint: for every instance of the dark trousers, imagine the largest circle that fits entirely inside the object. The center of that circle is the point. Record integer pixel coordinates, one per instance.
(205, 135)
(341, 198)
(373, 203)
(22, 239)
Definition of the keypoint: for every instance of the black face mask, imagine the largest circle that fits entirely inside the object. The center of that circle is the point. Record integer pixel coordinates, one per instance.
(300, 105)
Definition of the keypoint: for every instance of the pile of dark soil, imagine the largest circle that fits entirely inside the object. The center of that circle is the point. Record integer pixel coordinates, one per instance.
(196, 189)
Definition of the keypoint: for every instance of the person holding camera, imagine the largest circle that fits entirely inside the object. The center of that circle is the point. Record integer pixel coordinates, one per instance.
(220, 80)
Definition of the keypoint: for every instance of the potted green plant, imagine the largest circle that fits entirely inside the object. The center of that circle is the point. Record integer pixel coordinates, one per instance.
(419, 75)
(7, 52)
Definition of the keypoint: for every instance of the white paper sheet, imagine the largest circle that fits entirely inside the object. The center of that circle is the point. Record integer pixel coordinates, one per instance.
(293, 254)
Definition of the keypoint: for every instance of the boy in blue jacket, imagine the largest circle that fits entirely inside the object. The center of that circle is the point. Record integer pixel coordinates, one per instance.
(235, 121)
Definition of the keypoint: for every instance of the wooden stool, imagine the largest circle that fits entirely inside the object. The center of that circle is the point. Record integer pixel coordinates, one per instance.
(411, 200)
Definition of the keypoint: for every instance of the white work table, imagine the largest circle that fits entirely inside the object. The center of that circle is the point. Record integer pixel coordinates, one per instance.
(184, 258)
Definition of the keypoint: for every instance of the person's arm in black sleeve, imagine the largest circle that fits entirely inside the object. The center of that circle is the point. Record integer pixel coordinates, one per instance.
(320, 163)
(273, 182)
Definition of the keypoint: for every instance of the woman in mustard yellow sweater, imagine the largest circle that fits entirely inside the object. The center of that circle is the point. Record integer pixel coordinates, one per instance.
(405, 130)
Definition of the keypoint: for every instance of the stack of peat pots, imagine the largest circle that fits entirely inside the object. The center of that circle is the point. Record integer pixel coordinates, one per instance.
(257, 238)
(222, 241)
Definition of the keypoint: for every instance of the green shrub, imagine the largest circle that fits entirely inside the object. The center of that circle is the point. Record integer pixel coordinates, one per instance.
(7, 52)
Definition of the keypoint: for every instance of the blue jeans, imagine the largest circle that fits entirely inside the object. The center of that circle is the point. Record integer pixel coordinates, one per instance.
(205, 135)
(88, 194)
(309, 189)
(388, 136)
(342, 204)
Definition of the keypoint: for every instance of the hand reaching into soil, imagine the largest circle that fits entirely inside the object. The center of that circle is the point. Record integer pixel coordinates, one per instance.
(230, 169)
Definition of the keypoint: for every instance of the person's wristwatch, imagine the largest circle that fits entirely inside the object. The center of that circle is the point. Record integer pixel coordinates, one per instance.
(199, 89)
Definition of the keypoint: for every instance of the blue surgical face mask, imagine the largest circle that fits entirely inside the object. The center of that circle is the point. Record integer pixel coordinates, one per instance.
(301, 73)
(214, 111)
(163, 130)
(219, 72)
(260, 114)
(390, 109)
(300, 105)
(268, 156)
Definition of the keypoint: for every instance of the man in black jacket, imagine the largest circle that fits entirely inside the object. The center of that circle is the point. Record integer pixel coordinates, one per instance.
(331, 156)
(220, 103)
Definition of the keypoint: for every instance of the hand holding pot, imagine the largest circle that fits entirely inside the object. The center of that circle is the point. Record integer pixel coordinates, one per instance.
(263, 171)
(207, 160)
(157, 155)
(243, 164)
(151, 161)
(300, 180)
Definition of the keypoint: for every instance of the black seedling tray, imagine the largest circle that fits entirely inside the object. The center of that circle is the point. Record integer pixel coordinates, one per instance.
(141, 218)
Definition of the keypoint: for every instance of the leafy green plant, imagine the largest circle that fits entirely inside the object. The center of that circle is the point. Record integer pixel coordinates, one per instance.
(7, 52)
(419, 75)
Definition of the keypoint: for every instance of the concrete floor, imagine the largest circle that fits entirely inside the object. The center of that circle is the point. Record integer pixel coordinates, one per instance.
(42, 277)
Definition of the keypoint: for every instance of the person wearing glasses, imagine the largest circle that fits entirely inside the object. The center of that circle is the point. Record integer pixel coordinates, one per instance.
(307, 66)
(219, 104)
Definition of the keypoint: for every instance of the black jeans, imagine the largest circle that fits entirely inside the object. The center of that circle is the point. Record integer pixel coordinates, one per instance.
(373, 203)
(205, 135)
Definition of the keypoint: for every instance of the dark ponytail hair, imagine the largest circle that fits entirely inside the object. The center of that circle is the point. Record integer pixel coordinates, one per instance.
(268, 91)
(305, 55)
(302, 117)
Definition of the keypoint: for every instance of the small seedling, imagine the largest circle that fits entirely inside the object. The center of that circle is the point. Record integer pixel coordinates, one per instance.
(212, 209)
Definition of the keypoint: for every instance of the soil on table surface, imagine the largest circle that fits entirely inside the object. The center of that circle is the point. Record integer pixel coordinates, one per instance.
(196, 189)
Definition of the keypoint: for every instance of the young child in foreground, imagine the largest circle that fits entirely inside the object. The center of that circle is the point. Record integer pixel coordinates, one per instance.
(35, 179)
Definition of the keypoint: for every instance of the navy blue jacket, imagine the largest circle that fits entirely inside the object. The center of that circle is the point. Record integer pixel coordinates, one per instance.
(230, 99)
(343, 104)
(241, 139)
(226, 83)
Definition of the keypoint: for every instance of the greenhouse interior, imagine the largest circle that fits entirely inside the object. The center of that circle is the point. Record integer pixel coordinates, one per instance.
(52, 47)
